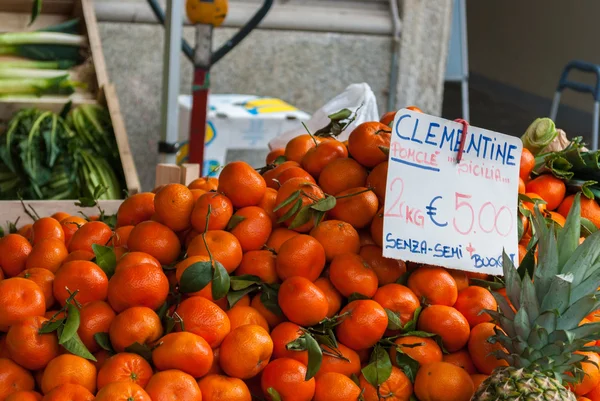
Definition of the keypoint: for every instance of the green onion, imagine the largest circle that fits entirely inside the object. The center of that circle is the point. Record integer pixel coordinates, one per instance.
(41, 38)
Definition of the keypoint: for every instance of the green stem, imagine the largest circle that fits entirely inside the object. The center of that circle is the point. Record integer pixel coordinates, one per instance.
(354, 194)
(311, 135)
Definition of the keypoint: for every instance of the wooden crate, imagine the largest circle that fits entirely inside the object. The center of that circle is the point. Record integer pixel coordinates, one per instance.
(10, 211)
(15, 16)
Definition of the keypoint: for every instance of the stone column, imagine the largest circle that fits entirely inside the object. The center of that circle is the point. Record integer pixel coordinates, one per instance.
(423, 50)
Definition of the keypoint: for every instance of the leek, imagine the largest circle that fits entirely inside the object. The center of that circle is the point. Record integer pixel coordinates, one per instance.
(57, 42)
(539, 135)
(25, 73)
(41, 38)
(39, 65)
(38, 86)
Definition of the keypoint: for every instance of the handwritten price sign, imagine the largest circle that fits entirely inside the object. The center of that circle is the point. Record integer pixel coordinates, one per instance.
(460, 216)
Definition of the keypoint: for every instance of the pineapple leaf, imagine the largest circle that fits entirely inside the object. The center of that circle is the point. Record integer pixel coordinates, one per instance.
(566, 378)
(519, 347)
(522, 326)
(538, 338)
(576, 346)
(568, 238)
(535, 355)
(570, 318)
(505, 323)
(503, 305)
(589, 331)
(528, 262)
(539, 223)
(593, 348)
(500, 337)
(501, 354)
(547, 320)
(587, 286)
(512, 280)
(576, 358)
(529, 301)
(547, 263)
(561, 336)
(587, 254)
(557, 296)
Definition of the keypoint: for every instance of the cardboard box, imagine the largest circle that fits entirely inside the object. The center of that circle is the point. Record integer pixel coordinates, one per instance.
(239, 127)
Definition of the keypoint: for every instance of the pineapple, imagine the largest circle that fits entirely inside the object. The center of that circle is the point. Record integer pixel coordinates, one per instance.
(541, 338)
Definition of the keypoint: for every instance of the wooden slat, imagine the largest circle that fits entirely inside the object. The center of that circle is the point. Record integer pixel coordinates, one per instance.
(8, 106)
(18, 22)
(129, 169)
(63, 7)
(189, 172)
(11, 210)
(167, 174)
(93, 34)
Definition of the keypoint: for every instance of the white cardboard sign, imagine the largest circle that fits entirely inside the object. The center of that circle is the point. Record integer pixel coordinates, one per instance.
(438, 212)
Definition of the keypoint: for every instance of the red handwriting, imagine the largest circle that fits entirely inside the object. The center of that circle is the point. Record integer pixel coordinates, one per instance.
(411, 215)
(467, 218)
(416, 156)
(486, 221)
(490, 173)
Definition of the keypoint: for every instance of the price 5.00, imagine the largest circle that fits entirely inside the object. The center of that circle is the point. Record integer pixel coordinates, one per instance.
(468, 219)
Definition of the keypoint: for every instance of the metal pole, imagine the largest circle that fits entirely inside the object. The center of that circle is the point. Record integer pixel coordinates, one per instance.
(171, 76)
(200, 89)
(464, 42)
(595, 125)
(394, 10)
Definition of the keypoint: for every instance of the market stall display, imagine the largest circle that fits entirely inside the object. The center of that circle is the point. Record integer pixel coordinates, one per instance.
(271, 284)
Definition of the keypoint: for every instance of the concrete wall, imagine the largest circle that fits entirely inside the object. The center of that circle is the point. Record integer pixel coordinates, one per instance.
(526, 44)
(307, 70)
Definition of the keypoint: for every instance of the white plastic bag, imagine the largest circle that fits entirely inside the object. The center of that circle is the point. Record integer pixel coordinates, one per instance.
(352, 98)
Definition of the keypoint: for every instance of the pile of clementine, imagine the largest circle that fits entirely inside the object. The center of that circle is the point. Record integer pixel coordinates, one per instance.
(265, 284)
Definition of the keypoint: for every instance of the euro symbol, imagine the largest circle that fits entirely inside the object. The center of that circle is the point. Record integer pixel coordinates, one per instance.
(432, 212)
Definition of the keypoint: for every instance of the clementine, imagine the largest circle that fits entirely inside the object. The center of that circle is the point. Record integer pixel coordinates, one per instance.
(246, 351)
(301, 255)
(285, 377)
(241, 184)
(448, 323)
(138, 324)
(124, 367)
(302, 301)
(336, 237)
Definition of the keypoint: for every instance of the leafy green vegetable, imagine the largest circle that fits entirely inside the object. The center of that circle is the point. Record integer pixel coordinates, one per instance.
(43, 156)
(578, 167)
